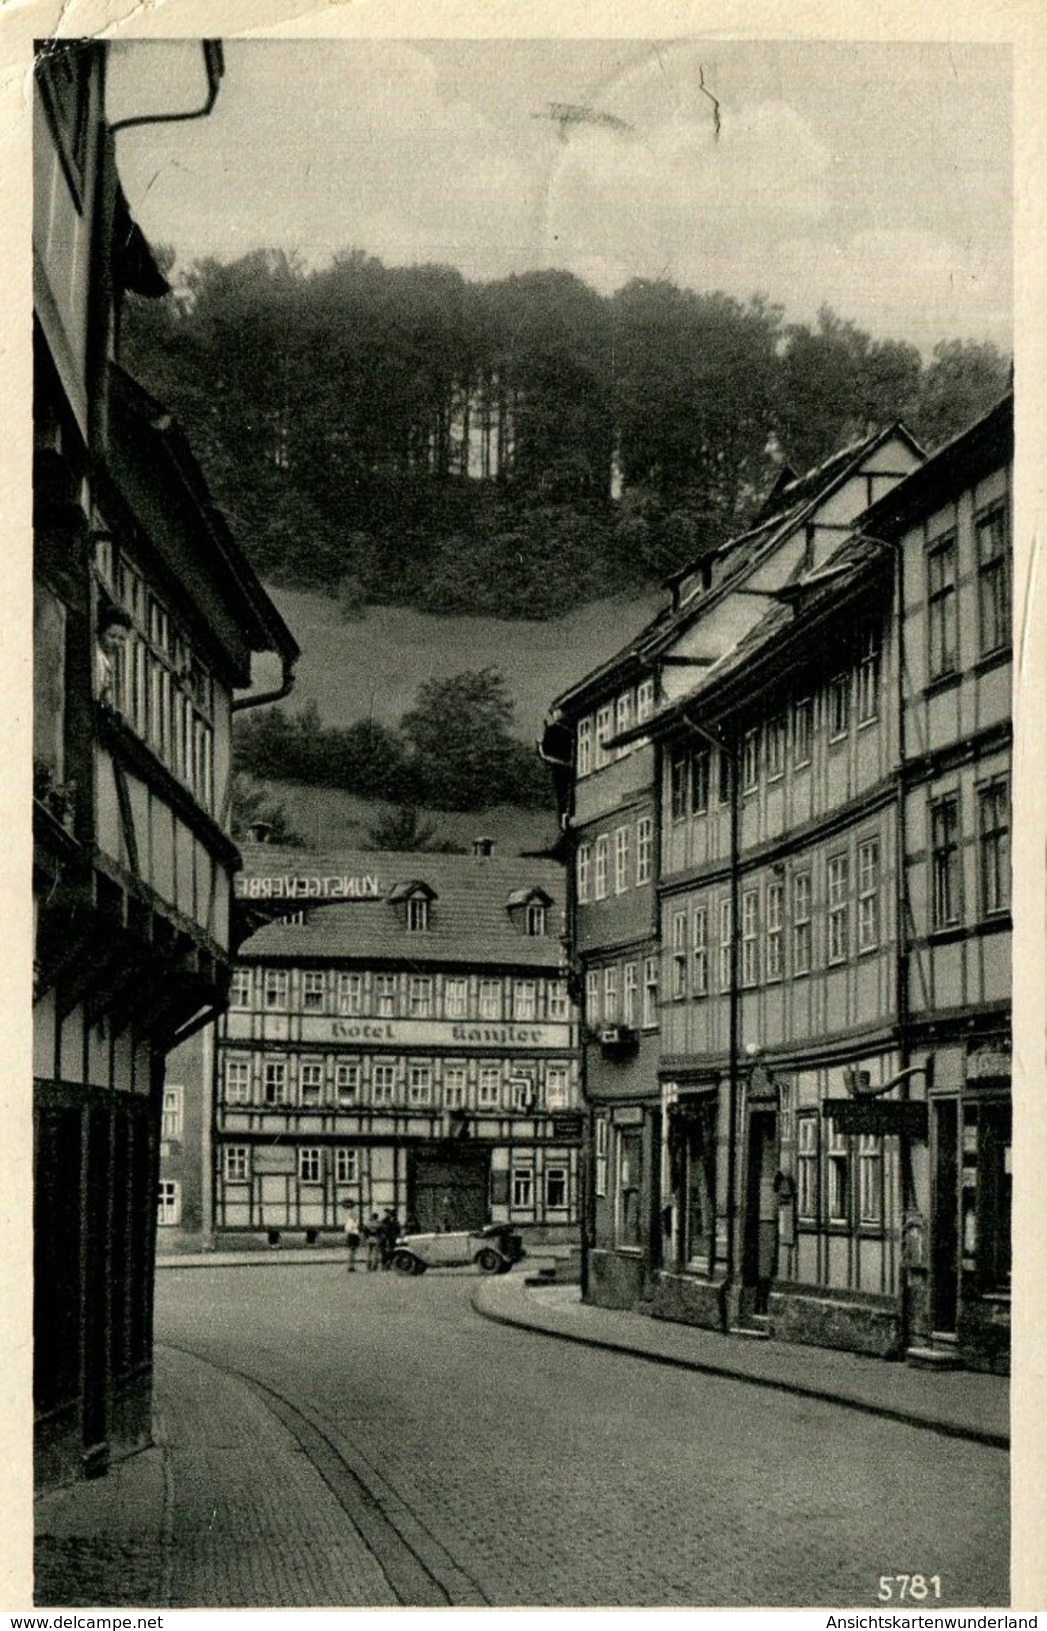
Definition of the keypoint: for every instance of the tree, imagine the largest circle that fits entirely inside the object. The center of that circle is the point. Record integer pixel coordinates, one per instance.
(251, 804)
(962, 382)
(402, 828)
(458, 732)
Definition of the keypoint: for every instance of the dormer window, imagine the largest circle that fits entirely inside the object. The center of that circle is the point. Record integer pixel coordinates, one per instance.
(413, 901)
(537, 916)
(529, 911)
(417, 914)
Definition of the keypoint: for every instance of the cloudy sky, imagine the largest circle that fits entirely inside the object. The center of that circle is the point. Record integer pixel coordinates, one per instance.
(875, 178)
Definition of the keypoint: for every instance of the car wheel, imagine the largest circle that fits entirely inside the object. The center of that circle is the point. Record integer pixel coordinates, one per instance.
(490, 1262)
(419, 1266)
(405, 1263)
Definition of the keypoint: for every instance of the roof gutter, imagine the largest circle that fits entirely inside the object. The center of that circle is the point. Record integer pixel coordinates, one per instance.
(214, 64)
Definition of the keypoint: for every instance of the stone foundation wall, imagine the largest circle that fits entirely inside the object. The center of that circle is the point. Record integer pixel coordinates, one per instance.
(614, 1281)
(983, 1336)
(689, 1301)
(847, 1320)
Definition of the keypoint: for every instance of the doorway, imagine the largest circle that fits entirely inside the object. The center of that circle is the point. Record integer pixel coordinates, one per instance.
(760, 1250)
(945, 1238)
(449, 1191)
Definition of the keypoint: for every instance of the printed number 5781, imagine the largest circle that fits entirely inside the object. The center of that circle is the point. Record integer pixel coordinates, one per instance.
(915, 1588)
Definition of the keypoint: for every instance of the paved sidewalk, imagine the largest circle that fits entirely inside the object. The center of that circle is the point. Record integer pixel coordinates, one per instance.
(223, 1511)
(962, 1404)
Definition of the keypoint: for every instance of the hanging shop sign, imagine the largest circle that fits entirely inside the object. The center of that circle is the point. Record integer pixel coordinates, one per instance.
(881, 1117)
(567, 1126)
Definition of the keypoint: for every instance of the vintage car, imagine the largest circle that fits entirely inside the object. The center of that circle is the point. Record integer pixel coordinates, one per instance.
(494, 1250)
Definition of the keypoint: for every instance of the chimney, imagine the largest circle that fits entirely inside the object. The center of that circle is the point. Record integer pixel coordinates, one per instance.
(483, 847)
(258, 832)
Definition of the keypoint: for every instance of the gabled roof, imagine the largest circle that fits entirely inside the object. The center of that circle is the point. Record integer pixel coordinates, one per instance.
(981, 448)
(470, 920)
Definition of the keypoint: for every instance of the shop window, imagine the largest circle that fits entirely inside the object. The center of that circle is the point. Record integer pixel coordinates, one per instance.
(987, 1194)
(556, 1189)
(837, 1177)
(601, 1155)
(310, 1170)
(994, 595)
(945, 862)
(942, 630)
(169, 1203)
(630, 1156)
(994, 848)
(870, 1179)
(523, 1188)
(311, 1084)
(234, 1163)
(700, 1182)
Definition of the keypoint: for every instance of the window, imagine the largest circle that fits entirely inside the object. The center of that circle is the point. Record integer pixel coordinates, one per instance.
(868, 894)
(313, 991)
(536, 919)
(994, 600)
(807, 1167)
(776, 733)
(869, 678)
(350, 994)
(556, 1188)
(240, 988)
(839, 884)
(803, 731)
(347, 1081)
(276, 988)
(839, 706)
(490, 999)
(678, 966)
(419, 1084)
(802, 923)
(454, 1087)
(523, 1187)
(724, 777)
(346, 1166)
(171, 1122)
(945, 862)
(750, 761)
(385, 995)
(644, 700)
(650, 992)
(644, 831)
(773, 931)
(234, 1163)
(275, 1081)
(583, 871)
(584, 748)
(621, 860)
(418, 914)
(725, 943)
(521, 1084)
(420, 996)
(630, 1153)
(309, 1170)
(557, 1089)
(623, 717)
(65, 80)
(592, 997)
(750, 944)
(456, 998)
(600, 868)
(383, 1084)
(700, 952)
(601, 1155)
(311, 1083)
(238, 1081)
(556, 999)
(870, 1179)
(629, 995)
(942, 632)
(700, 762)
(525, 999)
(610, 993)
(679, 784)
(490, 1093)
(700, 1182)
(169, 1202)
(994, 847)
(837, 1177)
(604, 728)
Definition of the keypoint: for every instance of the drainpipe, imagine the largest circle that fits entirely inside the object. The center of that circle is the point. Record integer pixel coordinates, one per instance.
(214, 65)
(283, 689)
(907, 1198)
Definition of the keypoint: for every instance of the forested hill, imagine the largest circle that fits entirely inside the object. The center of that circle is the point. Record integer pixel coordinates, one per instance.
(510, 448)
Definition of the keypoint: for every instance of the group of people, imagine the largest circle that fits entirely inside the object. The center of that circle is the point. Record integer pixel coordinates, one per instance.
(378, 1235)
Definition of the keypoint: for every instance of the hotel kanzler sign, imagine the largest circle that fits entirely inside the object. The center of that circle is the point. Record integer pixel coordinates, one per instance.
(421, 1033)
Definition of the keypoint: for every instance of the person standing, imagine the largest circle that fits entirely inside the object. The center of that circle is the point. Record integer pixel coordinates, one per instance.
(373, 1241)
(352, 1236)
(388, 1232)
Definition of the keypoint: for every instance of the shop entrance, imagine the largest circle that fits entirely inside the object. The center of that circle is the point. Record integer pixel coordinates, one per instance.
(449, 1189)
(945, 1242)
(760, 1250)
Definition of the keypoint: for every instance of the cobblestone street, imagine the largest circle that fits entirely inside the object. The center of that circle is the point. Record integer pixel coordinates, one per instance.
(439, 1458)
